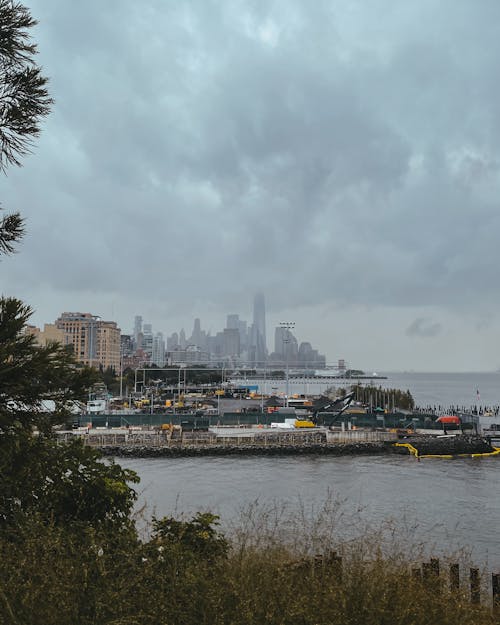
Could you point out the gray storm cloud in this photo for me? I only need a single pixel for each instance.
(320, 153)
(423, 328)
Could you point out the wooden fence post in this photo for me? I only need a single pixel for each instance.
(430, 572)
(335, 565)
(435, 566)
(495, 587)
(475, 589)
(454, 576)
(318, 562)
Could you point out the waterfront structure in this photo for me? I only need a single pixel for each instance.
(95, 342)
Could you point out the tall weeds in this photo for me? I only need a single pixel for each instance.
(270, 573)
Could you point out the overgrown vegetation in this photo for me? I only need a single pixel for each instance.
(187, 572)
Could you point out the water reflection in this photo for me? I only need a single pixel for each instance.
(446, 504)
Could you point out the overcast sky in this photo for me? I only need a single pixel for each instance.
(342, 157)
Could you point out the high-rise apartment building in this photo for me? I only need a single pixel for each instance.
(158, 352)
(95, 342)
(49, 334)
(147, 339)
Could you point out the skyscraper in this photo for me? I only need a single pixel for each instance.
(232, 322)
(231, 342)
(147, 339)
(199, 337)
(137, 329)
(158, 355)
(258, 333)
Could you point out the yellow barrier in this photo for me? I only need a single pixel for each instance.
(414, 451)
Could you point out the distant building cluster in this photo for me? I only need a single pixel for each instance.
(95, 342)
(100, 344)
(239, 343)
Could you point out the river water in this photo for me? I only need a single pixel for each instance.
(445, 389)
(433, 505)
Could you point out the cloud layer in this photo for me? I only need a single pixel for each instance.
(333, 156)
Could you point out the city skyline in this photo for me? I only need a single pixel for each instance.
(237, 342)
(102, 343)
(341, 158)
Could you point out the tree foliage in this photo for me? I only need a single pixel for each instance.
(24, 101)
(378, 397)
(199, 536)
(38, 390)
(11, 230)
(24, 98)
(32, 375)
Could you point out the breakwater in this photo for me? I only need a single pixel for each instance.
(420, 447)
(179, 451)
(446, 447)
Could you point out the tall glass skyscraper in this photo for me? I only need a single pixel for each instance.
(258, 338)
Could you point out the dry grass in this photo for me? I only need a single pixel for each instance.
(52, 576)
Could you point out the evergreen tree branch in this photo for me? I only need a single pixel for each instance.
(11, 231)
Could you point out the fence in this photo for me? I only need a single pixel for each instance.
(475, 585)
(360, 436)
(430, 572)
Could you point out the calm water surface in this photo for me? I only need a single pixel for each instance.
(444, 389)
(445, 504)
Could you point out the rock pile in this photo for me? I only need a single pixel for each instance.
(178, 451)
(452, 446)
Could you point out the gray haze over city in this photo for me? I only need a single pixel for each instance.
(342, 158)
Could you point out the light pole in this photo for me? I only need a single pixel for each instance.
(287, 327)
(263, 392)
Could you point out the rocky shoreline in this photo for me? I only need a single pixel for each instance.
(177, 451)
(424, 446)
(454, 446)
